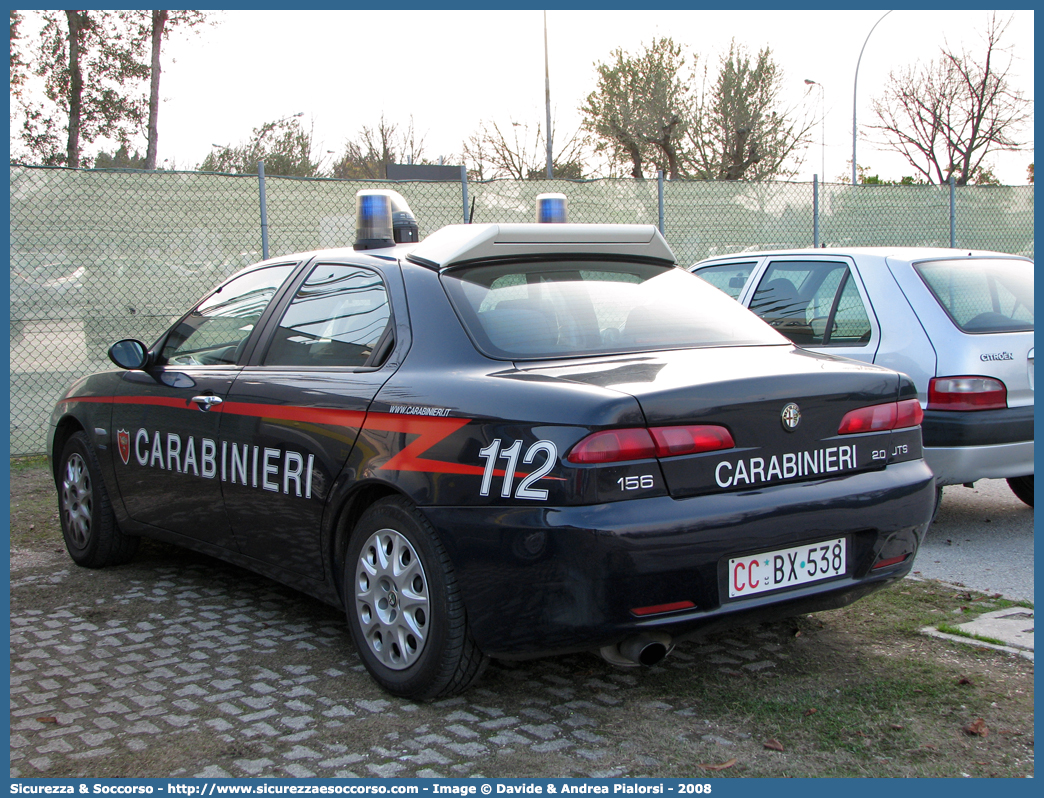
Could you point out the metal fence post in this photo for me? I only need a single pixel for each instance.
(264, 209)
(464, 191)
(953, 213)
(815, 211)
(659, 184)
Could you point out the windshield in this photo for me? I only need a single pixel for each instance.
(568, 308)
(983, 296)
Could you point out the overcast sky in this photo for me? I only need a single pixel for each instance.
(451, 70)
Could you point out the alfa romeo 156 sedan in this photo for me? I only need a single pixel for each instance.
(504, 441)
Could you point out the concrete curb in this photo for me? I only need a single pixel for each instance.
(1013, 626)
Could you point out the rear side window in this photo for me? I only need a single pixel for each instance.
(727, 277)
(983, 296)
(336, 319)
(570, 308)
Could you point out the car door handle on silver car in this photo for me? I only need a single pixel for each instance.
(206, 402)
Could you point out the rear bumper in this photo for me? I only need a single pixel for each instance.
(958, 464)
(546, 580)
(963, 446)
(945, 428)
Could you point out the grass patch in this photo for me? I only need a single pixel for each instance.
(19, 464)
(34, 504)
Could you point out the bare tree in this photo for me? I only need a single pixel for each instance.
(367, 156)
(945, 117)
(522, 155)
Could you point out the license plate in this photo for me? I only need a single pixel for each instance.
(772, 570)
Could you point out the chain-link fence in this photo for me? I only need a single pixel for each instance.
(100, 255)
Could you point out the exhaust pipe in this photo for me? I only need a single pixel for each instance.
(647, 649)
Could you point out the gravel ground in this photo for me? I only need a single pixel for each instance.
(982, 538)
(179, 665)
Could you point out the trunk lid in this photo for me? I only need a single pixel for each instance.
(746, 390)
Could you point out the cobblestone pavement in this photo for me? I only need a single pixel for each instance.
(179, 665)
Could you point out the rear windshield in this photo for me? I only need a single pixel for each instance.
(552, 309)
(983, 296)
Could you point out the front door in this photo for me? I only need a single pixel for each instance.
(166, 418)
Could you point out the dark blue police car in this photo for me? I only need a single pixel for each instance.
(502, 441)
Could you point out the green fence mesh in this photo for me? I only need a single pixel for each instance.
(100, 255)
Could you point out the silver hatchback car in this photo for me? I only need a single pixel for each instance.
(959, 323)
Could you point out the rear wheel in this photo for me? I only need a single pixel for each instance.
(88, 525)
(1022, 487)
(938, 501)
(404, 607)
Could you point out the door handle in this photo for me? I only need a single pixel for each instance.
(206, 402)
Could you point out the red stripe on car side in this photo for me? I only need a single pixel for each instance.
(429, 430)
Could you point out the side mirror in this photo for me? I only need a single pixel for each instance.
(129, 354)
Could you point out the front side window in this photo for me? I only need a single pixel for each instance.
(214, 332)
(727, 277)
(983, 296)
(813, 303)
(337, 318)
(577, 307)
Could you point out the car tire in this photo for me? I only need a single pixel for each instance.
(405, 610)
(938, 501)
(1022, 487)
(92, 537)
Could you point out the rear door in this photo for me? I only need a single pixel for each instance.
(293, 415)
(819, 303)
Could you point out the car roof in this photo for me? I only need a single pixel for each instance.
(464, 243)
(908, 254)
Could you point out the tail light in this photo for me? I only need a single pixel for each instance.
(639, 443)
(966, 393)
(892, 415)
(673, 441)
(614, 446)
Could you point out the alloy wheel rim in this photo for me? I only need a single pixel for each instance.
(391, 599)
(77, 500)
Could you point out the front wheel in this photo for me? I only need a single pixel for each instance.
(1022, 487)
(92, 537)
(404, 606)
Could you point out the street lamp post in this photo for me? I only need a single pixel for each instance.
(822, 124)
(547, 94)
(855, 82)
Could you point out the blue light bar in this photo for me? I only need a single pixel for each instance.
(383, 219)
(551, 208)
(373, 220)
